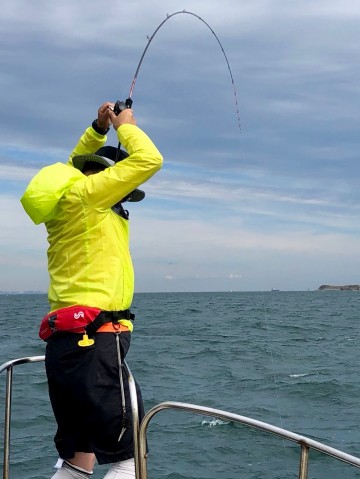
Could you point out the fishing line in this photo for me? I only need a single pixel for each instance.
(272, 363)
(120, 105)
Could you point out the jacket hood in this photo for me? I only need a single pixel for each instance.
(45, 190)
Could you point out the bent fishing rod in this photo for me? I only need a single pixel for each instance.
(122, 105)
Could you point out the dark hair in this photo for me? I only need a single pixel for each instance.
(93, 165)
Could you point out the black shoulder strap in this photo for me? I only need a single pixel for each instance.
(119, 210)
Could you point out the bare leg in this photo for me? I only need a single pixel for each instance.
(85, 460)
(79, 467)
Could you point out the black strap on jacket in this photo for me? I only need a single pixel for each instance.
(119, 210)
(106, 317)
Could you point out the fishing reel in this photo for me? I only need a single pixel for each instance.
(122, 105)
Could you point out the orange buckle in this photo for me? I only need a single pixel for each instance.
(112, 328)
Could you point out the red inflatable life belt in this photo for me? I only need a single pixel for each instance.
(72, 318)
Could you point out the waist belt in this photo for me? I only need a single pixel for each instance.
(106, 317)
(113, 328)
(81, 319)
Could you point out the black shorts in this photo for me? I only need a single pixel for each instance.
(85, 394)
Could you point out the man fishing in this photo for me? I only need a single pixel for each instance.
(91, 289)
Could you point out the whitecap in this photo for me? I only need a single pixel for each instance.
(214, 422)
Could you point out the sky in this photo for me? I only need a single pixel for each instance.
(272, 203)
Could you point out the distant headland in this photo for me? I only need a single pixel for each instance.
(347, 287)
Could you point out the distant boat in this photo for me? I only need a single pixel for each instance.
(274, 289)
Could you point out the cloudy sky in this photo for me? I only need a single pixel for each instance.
(273, 204)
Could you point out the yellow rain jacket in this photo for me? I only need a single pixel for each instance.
(89, 260)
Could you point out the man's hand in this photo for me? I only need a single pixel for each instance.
(103, 120)
(126, 116)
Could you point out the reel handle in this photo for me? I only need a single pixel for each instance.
(122, 105)
(118, 108)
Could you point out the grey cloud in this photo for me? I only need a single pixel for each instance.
(295, 162)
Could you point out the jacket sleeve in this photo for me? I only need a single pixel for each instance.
(89, 142)
(106, 188)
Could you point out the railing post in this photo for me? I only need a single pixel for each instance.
(304, 461)
(142, 447)
(135, 418)
(9, 377)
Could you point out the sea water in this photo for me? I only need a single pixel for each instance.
(287, 358)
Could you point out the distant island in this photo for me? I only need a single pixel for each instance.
(22, 292)
(347, 287)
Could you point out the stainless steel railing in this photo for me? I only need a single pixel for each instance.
(9, 367)
(305, 443)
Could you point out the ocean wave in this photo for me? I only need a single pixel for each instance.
(214, 422)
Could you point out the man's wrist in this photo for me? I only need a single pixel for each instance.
(98, 129)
